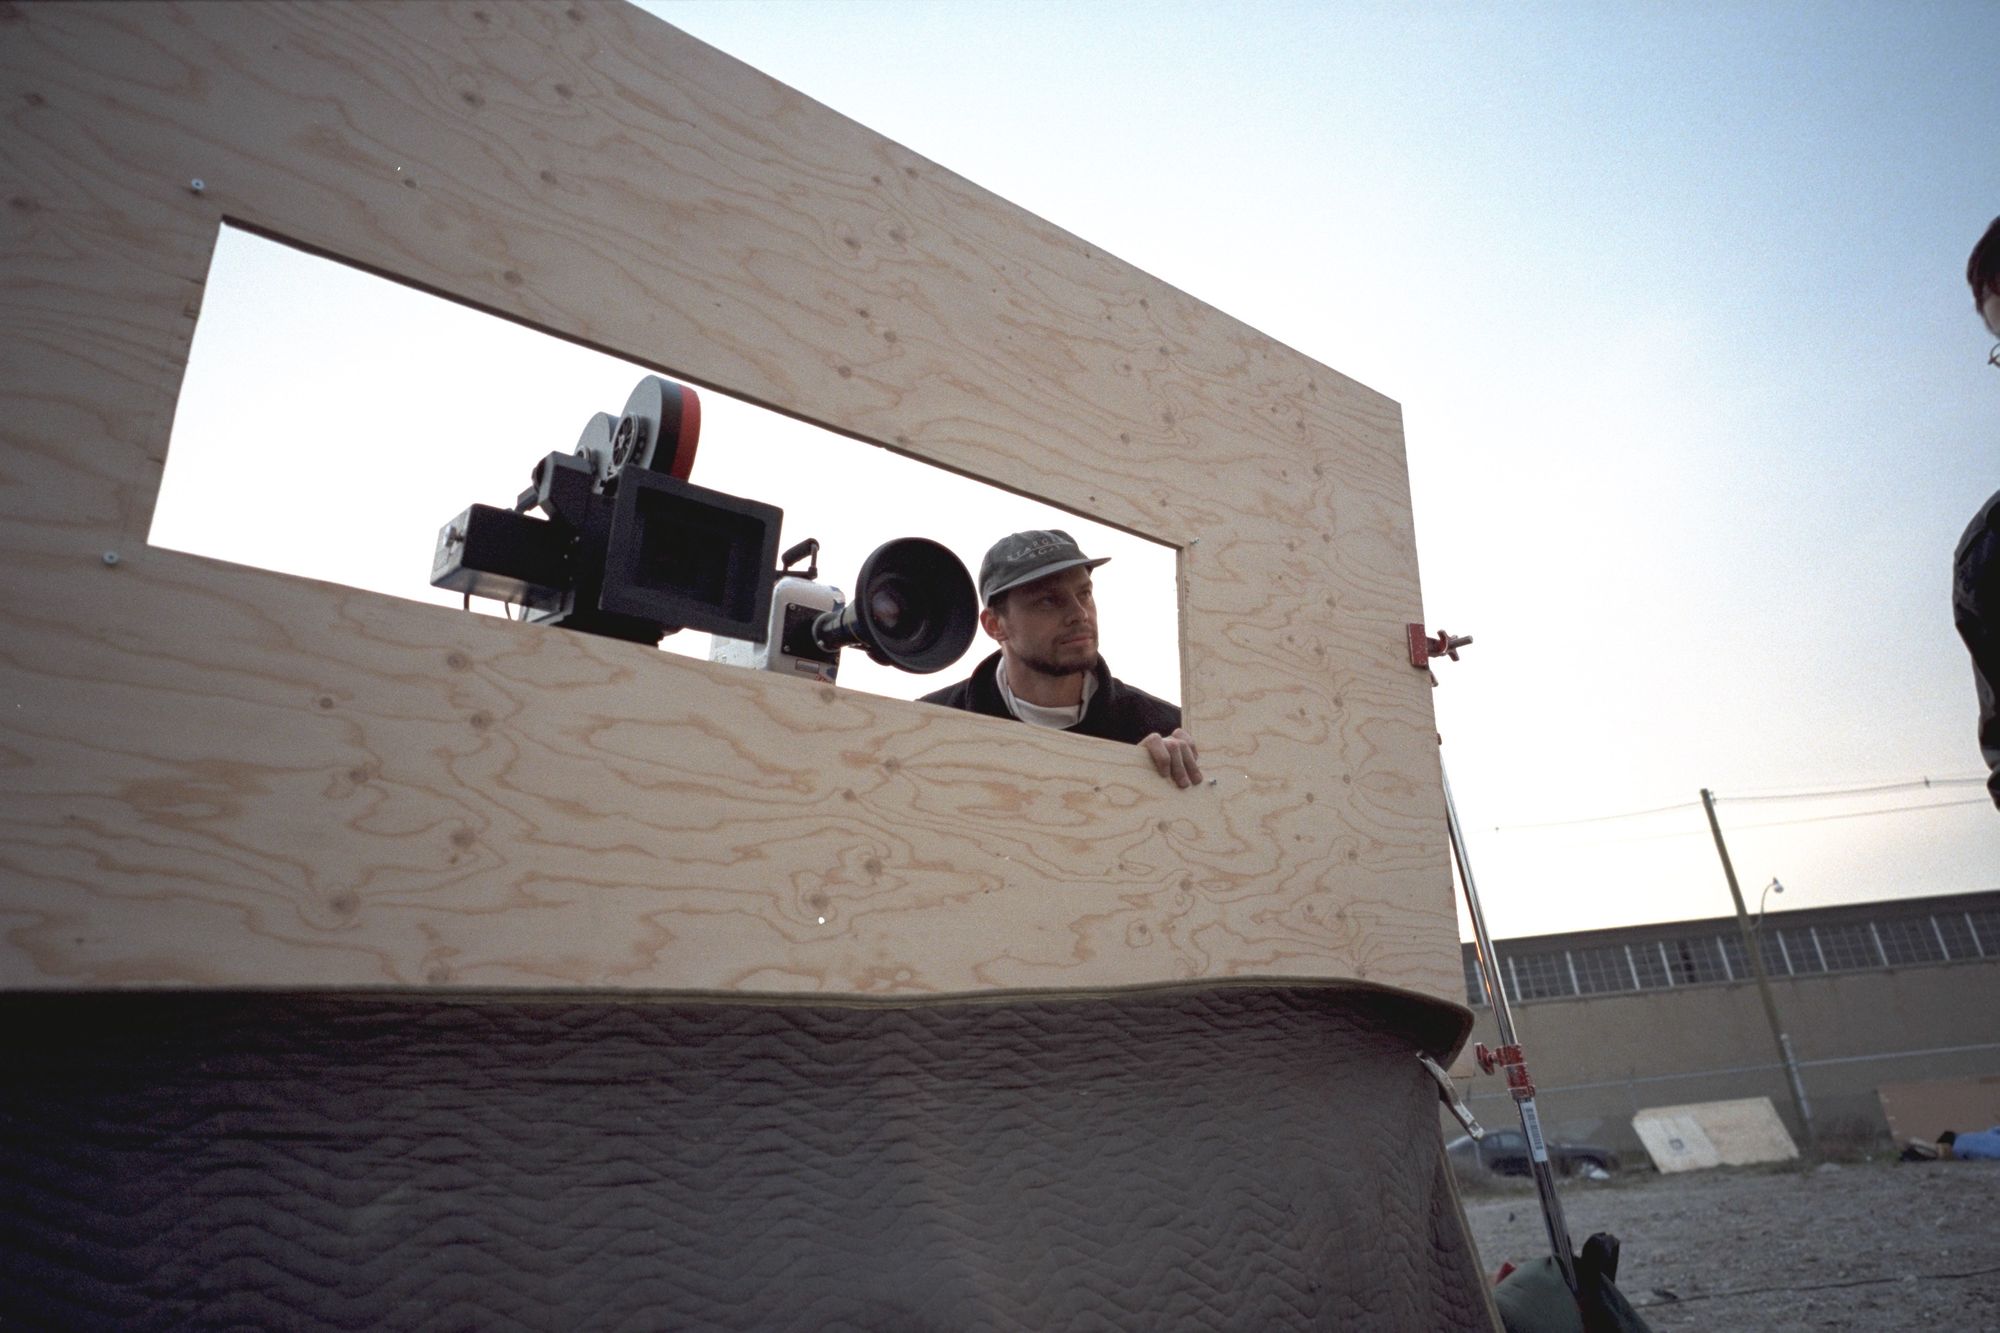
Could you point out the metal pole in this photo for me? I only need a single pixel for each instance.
(1798, 1084)
(1489, 964)
(1784, 1043)
(1523, 1090)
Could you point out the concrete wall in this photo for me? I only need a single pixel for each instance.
(1597, 1060)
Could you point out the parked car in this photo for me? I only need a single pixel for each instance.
(1505, 1152)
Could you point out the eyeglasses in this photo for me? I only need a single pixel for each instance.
(1993, 357)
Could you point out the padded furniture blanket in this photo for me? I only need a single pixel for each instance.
(1215, 1156)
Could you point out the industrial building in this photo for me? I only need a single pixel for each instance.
(1613, 1021)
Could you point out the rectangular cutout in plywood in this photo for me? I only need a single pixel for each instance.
(331, 420)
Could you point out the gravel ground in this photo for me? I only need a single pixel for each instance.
(1873, 1245)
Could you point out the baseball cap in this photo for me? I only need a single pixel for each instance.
(1023, 557)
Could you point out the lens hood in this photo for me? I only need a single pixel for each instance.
(913, 608)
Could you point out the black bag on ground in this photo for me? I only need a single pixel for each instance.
(1535, 1299)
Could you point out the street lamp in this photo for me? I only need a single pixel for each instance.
(1754, 952)
(1769, 889)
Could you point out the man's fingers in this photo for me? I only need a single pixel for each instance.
(1173, 757)
(1193, 763)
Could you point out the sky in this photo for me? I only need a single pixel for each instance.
(1695, 400)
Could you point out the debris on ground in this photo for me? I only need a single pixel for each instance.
(1880, 1247)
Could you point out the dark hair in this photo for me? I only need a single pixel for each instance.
(1950, 1136)
(1982, 270)
(997, 603)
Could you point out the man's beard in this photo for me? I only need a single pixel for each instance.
(1048, 666)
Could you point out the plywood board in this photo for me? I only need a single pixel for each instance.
(220, 776)
(1706, 1134)
(1926, 1109)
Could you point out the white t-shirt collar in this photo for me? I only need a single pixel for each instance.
(1059, 719)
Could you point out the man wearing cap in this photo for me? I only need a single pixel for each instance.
(1047, 672)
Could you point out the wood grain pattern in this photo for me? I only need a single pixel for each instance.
(221, 776)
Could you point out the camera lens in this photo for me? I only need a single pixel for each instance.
(886, 606)
(914, 607)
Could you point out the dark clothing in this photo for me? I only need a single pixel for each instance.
(1975, 605)
(1117, 712)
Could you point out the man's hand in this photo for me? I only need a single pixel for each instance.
(1174, 756)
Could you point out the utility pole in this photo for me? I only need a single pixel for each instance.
(1756, 956)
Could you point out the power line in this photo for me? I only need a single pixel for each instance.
(1767, 823)
(1862, 814)
(1924, 783)
(1857, 791)
(1597, 819)
(1699, 831)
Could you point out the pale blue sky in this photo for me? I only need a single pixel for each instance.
(1672, 297)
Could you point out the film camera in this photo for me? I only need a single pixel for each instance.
(625, 546)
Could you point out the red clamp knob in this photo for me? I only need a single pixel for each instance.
(1423, 648)
(1504, 1057)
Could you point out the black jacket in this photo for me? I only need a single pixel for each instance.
(1975, 600)
(1117, 712)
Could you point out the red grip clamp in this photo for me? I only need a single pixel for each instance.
(1424, 648)
(1510, 1059)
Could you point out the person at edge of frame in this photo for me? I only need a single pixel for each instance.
(1978, 1146)
(1975, 584)
(1039, 607)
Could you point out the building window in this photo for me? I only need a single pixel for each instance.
(1910, 940)
(1767, 945)
(1540, 976)
(1900, 937)
(1846, 947)
(1777, 957)
(1475, 989)
(1739, 962)
(1986, 931)
(1800, 951)
(1647, 965)
(1601, 971)
(1774, 947)
(1695, 960)
(1954, 935)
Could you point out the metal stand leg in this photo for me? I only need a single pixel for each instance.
(1509, 1055)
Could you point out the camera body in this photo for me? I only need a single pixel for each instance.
(789, 644)
(625, 546)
